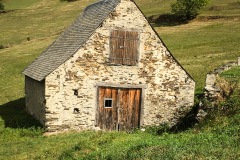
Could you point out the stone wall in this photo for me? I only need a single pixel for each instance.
(35, 98)
(212, 89)
(168, 91)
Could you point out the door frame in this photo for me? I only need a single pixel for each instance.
(123, 86)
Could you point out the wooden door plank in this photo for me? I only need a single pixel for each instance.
(122, 110)
(107, 117)
(100, 111)
(114, 109)
(128, 110)
(131, 109)
(120, 116)
(137, 108)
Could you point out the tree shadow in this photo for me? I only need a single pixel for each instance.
(14, 115)
(5, 11)
(164, 20)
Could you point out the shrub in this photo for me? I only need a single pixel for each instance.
(230, 106)
(188, 9)
(1, 6)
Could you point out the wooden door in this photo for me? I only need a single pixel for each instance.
(129, 109)
(118, 109)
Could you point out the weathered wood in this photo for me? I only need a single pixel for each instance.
(125, 111)
(122, 109)
(124, 47)
(127, 86)
(107, 117)
(131, 45)
(114, 109)
(137, 103)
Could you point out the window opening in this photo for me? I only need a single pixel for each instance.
(124, 47)
(108, 102)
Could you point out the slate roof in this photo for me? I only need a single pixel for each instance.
(71, 40)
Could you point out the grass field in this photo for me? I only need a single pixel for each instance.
(218, 140)
(14, 4)
(200, 46)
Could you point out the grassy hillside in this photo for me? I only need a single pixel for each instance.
(199, 46)
(34, 22)
(203, 44)
(14, 4)
(219, 140)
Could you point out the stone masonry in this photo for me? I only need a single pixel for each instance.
(212, 90)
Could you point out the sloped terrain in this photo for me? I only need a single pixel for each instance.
(212, 39)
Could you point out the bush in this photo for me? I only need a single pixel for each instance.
(188, 9)
(230, 106)
(1, 6)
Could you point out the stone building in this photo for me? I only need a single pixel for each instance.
(109, 70)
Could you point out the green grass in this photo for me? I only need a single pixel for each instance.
(155, 7)
(33, 22)
(210, 142)
(233, 73)
(216, 138)
(222, 8)
(18, 4)
(202, 48)
(199, 46)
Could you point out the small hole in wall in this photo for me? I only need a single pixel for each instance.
(75, 92)
(158, 116)
(58, 76)
(76, 110)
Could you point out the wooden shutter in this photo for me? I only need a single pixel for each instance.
(124, 47)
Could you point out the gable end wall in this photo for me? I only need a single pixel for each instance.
(169, 90)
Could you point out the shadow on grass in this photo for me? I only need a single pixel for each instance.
(166, 20)
(190, 119)
(187, 122)
(14, 115)
(5, 11)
